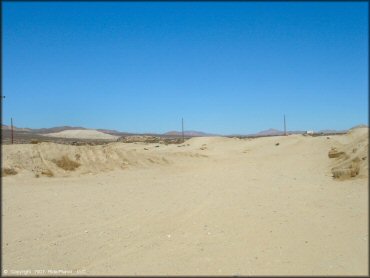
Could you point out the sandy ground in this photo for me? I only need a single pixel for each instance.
(82, 134)
(214, 206)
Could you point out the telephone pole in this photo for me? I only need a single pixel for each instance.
(182, 129)
(11, 119)
(11, 123)
(284, 126)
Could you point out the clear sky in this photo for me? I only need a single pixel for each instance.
(226, 68)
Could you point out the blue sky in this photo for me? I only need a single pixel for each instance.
(226, 68)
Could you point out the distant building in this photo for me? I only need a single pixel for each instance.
(309, 132)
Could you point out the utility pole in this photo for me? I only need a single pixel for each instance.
(182, 129)
(284, 126)
(11, 123)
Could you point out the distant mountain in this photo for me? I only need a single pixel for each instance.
(275, 132)
(325, 131)
(8, 127)
(296, 132)
(270, 131)
(188, 133)
(191, 133)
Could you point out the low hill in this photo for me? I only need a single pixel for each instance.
(82, 134)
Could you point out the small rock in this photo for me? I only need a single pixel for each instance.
(277, 144)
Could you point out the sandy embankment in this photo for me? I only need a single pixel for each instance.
(213, 206)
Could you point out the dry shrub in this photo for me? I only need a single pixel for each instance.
(333, 153)
(8, 172)
(347, 171)
(47, 173)
(66, 164)
(35, 142)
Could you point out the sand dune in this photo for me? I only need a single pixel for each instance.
(210, 206)
(82, 134)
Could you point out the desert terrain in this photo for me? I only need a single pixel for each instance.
(279, 205)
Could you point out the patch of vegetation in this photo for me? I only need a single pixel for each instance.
(47, 173)
(34, 141)
(8, 172)
(66, 164)
(348, 170)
